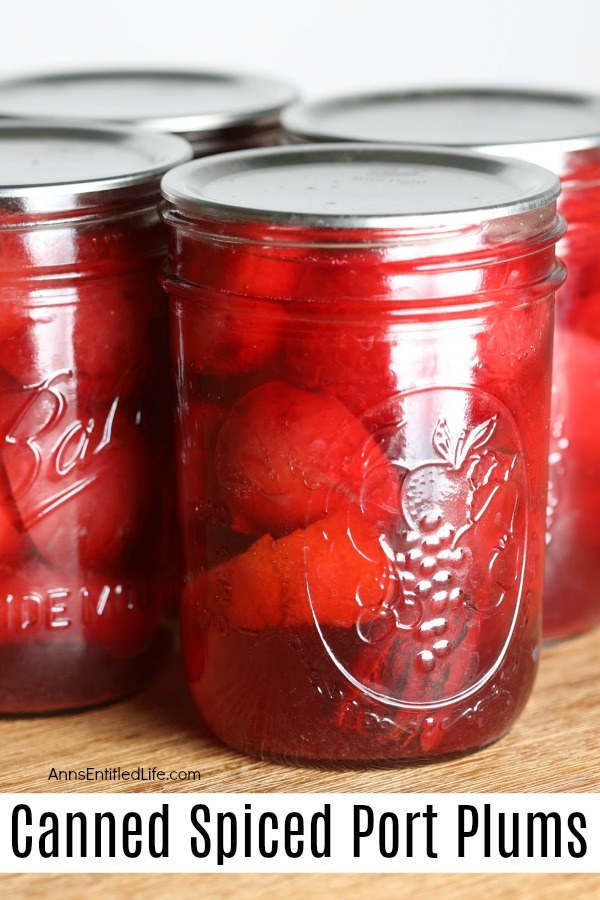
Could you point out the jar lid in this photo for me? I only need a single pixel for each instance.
(47, 167)
(181, 102)
(537, 126)
(358, 186)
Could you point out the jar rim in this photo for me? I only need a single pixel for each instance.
(179, 101)
(547, 128)
(359, 186)
(49, 166)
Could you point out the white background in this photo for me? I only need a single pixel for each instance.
(325, 46)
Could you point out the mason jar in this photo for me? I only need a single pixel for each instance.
(85, 408)
(214, 111)
(562, 132)
(363, 342)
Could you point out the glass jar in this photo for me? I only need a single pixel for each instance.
(561, 132)
(363, 337)
(85, 450)
(572, 592)
(214, 111)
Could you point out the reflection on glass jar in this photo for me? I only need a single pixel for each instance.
(364, 383)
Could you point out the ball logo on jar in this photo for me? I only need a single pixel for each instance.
(44, 442)
(76, 473)
(450, 567)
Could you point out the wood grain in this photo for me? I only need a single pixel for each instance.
(552, 748)
(299, 887)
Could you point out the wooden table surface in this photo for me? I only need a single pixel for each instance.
(300, 887)
(554, 747)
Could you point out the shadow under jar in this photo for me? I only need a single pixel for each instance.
(85, 450)
(562, 132)
(363, 341)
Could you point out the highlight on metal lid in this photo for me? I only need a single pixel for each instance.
(50, 166)
(358, 186)
(536, 125)
(177, 101)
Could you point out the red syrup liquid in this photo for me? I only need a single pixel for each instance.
(84, 463)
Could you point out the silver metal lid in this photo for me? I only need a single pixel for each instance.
(358, 186)
(181, 102)
(537, 126)
(50, 167)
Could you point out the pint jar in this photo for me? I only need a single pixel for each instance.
(85, 448)
(561, 132)
(363, 342)
(214, 111)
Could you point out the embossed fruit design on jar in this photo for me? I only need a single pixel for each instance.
(85, 445)
(561, 132)
(362, 445)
